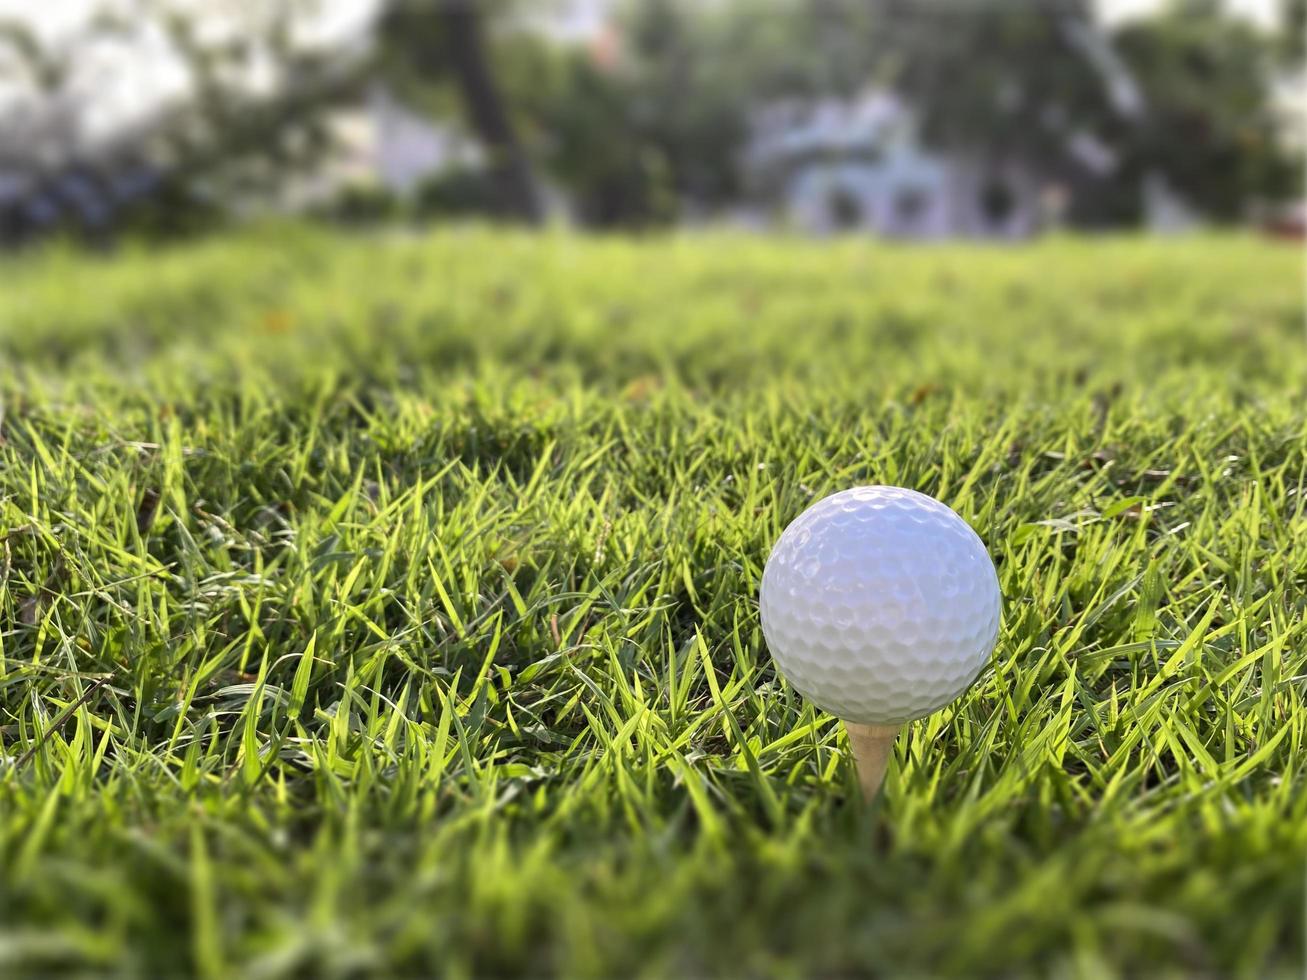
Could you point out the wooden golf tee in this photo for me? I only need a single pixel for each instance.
(872, 746)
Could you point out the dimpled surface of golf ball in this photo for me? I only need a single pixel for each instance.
(879, 604)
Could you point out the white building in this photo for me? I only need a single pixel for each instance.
(833, 165)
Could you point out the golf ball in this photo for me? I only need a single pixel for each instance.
(879, 604)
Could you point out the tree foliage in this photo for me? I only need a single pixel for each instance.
(645, 120)
(429, 45)
(250, 112)
(1211, 127)
(997, 79)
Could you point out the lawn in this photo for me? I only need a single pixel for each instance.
(387, 604)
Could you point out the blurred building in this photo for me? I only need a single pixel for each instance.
(843, 165)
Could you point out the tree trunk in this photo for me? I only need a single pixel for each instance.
(486, 112)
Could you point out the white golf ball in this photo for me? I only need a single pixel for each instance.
(880, 605)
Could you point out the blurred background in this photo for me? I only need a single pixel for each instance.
(992, 120)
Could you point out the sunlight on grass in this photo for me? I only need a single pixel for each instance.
(390, 604)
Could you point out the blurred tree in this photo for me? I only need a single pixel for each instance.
(427, 45)
(1032, 84)
(1185, 94)
(590, 142)
(650, 119)
(638, 121)
(1293, 33)
(250, 112)
(1212, 128)
(647, 119)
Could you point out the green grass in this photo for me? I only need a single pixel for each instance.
(388, 605)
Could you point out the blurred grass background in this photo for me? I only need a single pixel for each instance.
(387, 605)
